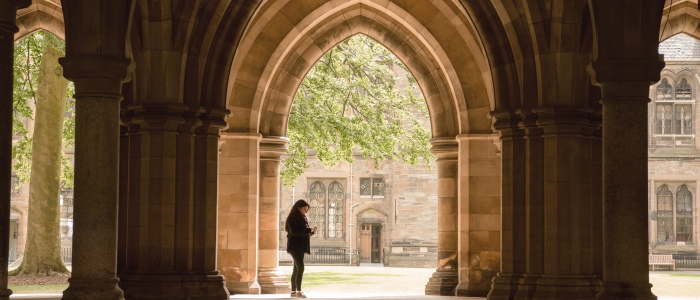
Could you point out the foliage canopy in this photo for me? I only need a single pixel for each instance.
(356, 98)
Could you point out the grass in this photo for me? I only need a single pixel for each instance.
(312, 279)
(685, 275)
(39, 289)
(323, 278)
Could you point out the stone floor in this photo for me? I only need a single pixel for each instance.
(409, 284)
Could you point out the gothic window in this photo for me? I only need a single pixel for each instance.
(336, 203)
(663, 90)
(372, 187)
(664, 208)
(317, 210)
(684, 214)
(327, 211)
(673, 115)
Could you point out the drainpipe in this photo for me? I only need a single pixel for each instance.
(351, 214)
(352, 253)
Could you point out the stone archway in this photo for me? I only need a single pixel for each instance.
(275, 53)
(41, 14)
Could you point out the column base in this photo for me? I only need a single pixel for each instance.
(206, 286)
(93, 288)
(473, 289)
(243, 287)
(443, 283)
(625, 291)
(477, 283)
(5, 293)
(273, 281)
(527, 286)
(567, 287)
(504, 286)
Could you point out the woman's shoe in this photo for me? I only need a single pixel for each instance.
(300, 295)
(293, 294)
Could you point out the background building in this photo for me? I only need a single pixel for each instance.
(387, 211)
(674, 150)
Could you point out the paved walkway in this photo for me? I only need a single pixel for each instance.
(376, 282)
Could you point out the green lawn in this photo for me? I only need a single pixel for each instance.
(685, 275)
(39, 289)
(322, 278)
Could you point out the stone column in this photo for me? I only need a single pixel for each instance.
(444, 280)
(98, 81)
(270, 277)
(479, 213)
(513, 190)
(534, 205)
(171, 203)
(625, 213)
(205, 209)
(8, 11)
(238, 211)
(624, 72)
(565, 262)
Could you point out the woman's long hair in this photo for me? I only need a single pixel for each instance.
(295, 212)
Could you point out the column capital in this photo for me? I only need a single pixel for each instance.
(273, 147)
(567, 120)
(98, 75)
(444, 148)
(631, 71)
(8, 14)
(213, 121)
(228, 135)
(507, 122)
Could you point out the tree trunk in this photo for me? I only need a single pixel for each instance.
(42, 254)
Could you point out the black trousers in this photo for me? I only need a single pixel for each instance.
(298, 271)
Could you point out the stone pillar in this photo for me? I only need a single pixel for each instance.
(479, 213)
(534, 205)
(513, 191)
(444, 281)
(270, 277)
(624, 72)
(98, 81)
(8, 11)
(205, 209)
(564, 258)
(625, 213)
(237, 256)
(170, 210)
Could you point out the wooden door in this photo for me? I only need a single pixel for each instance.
(365, 243)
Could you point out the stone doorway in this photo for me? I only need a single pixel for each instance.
(371, 243)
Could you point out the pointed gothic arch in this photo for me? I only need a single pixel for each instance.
(451, 79)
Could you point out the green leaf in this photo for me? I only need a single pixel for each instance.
(351, 102)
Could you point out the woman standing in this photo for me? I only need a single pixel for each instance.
(298, 242)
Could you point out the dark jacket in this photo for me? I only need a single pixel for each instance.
(298, 234)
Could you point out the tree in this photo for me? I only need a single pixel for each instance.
(350, 100)
(28, 57)
(43, 247)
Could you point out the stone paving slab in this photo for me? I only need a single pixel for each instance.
(409, 283)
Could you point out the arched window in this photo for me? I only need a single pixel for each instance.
(327, 210)
(336, 204)
(673, 115)
(684, 90)
(684, 214)
(663, 90)
(317, 210)
(664, 211)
